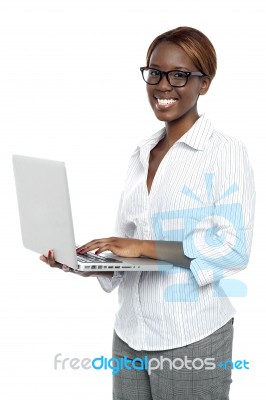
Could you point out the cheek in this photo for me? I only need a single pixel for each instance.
(188, 96)
(149, 91)
(151, 98)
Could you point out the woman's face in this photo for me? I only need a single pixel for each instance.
(168, 56)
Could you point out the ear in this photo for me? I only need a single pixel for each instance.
(205, 84)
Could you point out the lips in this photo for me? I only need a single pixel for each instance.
(164, 103)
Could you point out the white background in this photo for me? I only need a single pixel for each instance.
(71, 90)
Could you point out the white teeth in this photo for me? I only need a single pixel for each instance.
(166, 101)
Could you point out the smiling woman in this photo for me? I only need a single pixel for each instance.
(180, 110)
(188, 199)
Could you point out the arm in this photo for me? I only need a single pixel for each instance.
(125, 247)
(158, 249)
(171, 252)
(219, 241)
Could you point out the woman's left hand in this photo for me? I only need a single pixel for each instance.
(119, 246)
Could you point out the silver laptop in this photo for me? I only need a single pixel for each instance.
(46, 219)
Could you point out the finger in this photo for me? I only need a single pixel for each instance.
(50, 257)
(93, 242)
(88, 245)
(65, 268)
(106, 247)
(92, 245)
(51, 260)
(44, 259)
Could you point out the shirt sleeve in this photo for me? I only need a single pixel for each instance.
(108, 284)
(218, 237)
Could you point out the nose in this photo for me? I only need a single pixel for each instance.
(164, 85)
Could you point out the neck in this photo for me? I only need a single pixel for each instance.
(176, 129)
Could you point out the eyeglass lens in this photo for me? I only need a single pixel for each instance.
(176, 78)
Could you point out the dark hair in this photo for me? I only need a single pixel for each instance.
(195, 44)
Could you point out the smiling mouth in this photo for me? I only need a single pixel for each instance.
(165, 102)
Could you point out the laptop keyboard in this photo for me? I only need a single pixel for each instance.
(93, 258)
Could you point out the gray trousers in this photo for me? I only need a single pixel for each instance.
(172, 381)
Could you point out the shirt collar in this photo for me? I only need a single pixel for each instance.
(196, 137)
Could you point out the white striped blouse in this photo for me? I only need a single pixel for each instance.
(203, 195)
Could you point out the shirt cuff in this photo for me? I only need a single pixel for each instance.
(108, 283)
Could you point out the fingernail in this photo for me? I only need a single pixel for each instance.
(49, 253)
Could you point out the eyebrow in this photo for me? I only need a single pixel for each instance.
(158, 67)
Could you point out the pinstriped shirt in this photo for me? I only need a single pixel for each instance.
(203, 195)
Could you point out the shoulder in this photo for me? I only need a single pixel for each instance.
(224, 148)
(227, 140)
(227, 143)
(231, 156)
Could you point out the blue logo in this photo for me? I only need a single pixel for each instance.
(212, 235)
(145, 363)
(229, 364)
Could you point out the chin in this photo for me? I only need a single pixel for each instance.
(165, 118)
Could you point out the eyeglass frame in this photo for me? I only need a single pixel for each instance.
(166, 73)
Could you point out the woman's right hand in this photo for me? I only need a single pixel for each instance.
(50, 260)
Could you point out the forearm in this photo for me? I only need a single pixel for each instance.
(167, 251)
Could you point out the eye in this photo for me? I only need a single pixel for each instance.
(153, 72)
(179, 75)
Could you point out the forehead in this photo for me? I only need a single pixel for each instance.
(167, 56)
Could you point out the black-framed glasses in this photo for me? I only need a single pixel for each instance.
(176, 78)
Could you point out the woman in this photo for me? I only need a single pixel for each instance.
(188, 199)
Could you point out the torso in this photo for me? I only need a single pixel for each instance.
(156, 156)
